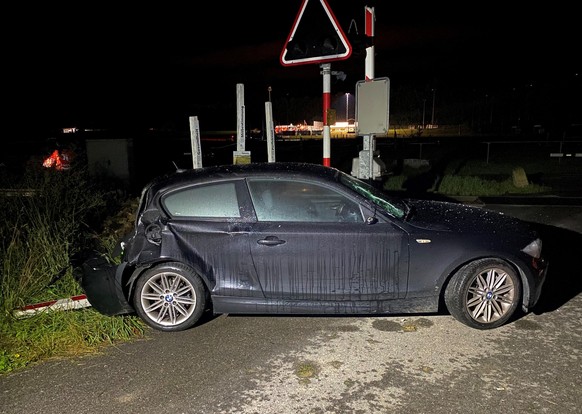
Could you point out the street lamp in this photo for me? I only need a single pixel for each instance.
(433, 101)
(347, 106)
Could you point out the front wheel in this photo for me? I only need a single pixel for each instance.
(169, 297)
(483, 294)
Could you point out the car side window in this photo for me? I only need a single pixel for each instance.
(286, 200)
(212, 201)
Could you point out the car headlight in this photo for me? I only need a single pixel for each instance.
(534, 249)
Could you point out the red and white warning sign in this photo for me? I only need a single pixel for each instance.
(316, 36)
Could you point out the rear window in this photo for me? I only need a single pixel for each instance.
(213, 201)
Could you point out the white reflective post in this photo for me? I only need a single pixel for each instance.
(240, 156)
(195, 142)
(270, 132)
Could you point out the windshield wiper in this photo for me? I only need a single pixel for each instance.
(408, 212)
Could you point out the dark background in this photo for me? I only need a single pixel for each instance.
(101, 65)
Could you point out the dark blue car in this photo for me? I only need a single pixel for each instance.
(295, 238)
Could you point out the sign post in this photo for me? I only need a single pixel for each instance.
(316, 37)
(372, 109)
(369, 141)
(326, 72)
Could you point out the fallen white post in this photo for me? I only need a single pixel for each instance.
(74, 302)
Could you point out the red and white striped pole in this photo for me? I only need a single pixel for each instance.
(326, 72)
(369, 18)
(368, 141)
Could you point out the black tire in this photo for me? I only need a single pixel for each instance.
(170, 297)
(484, 294)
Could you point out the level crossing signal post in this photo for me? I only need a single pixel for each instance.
(317, 38)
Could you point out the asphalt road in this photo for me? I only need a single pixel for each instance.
(402, 363)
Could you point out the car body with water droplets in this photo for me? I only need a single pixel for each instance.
(295, 238)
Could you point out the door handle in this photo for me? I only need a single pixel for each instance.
(271, 241)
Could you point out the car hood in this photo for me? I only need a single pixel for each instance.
(462, 218)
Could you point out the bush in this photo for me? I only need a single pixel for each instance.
(476, 186)
(42, 232)
(457, 180)
(395, 182)
(40, 237)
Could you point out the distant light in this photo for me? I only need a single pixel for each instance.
(60, 161)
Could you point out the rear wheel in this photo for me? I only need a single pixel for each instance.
(484, 294)
(170, 297)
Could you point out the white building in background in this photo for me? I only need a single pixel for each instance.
(338, 130)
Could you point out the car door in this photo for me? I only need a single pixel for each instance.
(312, 242)
(208, 228)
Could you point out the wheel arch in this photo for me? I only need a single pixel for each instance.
(446, 279)
(169, 295)
(137, 270)
(525, 285)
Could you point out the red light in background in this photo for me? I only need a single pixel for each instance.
(58, 160)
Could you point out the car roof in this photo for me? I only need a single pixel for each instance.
(258, 169)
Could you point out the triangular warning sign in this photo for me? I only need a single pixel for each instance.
(316, 36)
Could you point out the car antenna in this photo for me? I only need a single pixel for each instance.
(178, 169)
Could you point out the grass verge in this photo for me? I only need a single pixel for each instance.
(58, 334)
(467, 179)
(40, 237)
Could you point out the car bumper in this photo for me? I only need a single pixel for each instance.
(540, 271)
(102, 283)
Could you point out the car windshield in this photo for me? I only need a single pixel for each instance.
(395, 207)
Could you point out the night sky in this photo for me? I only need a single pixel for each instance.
(102, 66)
